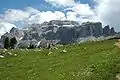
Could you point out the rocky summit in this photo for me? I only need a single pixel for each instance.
(58, 31)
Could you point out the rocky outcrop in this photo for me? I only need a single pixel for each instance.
(61, 31)
(64, 34)
(26, 43)
(14, 32)
(62, 23)
(112, 31)
(92, 29)
(1, 44)
(108, 32)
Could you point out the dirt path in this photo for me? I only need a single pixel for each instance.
(118, 43)
(118, 76)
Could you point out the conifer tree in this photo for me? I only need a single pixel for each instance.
(6, 43)
(13, 42)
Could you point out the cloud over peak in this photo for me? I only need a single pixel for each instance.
(5, 27)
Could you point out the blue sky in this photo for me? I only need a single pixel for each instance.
(39, 4)
(22, 13)
(19, 4)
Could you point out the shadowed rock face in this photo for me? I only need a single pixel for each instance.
(91, 29)
(112, 31)
(106, 31)
(1, 44)
(62, 31)
(64, 34)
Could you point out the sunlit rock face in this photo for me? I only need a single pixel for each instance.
(26, 43)
(62, 31)
(17, 33)
(14, 32)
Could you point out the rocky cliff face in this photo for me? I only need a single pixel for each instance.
(62, 31)
(14, 32)
(108, 32)
(91, 29)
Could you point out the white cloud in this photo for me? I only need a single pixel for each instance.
(29, 15)
(46, 16)
(108, 12)
(82, 9)
(5, 27)
(14, 15)
(61, 2)
(71, 16)
(80, 19)
(74, 9)
(17, 17)
(31, 10)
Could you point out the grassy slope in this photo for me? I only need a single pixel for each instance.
(88, 61)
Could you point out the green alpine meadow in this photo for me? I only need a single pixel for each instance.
(87, 61)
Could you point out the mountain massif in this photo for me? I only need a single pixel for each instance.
(57, 31)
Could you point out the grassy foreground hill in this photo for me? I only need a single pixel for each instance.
(87, 61)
